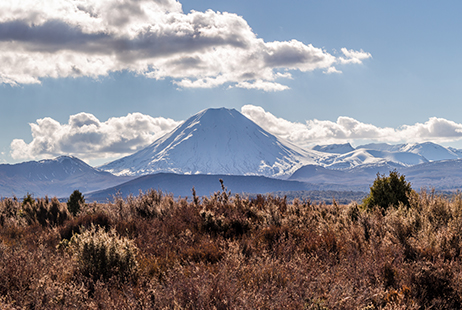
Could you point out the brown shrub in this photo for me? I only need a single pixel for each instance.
(228, 252)
(207, 252)
(433, 287)
(75, 225)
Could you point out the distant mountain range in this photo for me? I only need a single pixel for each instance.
(222, 143)
(54, 177)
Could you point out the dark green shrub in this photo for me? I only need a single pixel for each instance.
(28, 199)
(56, 214)
(388, 191)
(44, 212)
(75, 202)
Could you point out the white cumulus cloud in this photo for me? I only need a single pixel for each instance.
(331, 70)
(347, 129)
(154, 38)
(87, 137)
(355, 57)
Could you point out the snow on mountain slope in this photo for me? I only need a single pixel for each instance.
(402, 158)
(216, 141)
(364, 156)
(458, 152)
(382, 147)
(334, 148)
(429, 150)
(349, 160)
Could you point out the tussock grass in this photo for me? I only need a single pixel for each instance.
(229, 252)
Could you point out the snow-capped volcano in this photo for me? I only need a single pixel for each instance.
(216, 141)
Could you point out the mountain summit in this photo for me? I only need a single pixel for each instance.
(216, 141)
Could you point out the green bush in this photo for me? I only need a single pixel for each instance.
(44, 211)
(101, 255)
(75, 202)
(388, 191)
(28, 199)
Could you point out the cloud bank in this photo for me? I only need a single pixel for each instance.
(153, 38)
(347, 129)
(89, 138)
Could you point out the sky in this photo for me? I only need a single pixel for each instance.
(102, 79)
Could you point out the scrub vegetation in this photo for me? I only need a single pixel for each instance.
(227, 252)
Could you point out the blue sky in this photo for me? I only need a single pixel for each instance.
(401, 69)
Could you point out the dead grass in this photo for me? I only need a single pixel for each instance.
(226, 252)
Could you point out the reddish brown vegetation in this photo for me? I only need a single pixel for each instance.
(224, 252)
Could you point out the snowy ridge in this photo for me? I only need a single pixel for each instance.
(334, 148)
(360, 157)
(429, 150)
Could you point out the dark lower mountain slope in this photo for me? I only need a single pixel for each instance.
(53, 177)
(181, 185)
(358, 178)
(441, 175)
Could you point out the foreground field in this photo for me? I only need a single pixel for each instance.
(225, 252)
